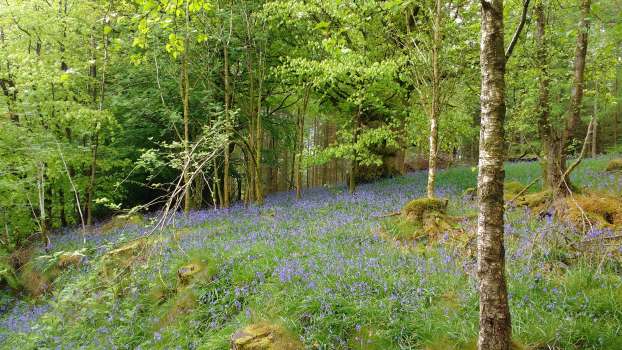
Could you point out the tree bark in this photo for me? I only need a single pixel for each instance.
(594, 140)
(494, 320)
(354, 163)
(226, 178)
(300, 135)
(576, 97)
(553, 166)
(185, 91)
(435, 107)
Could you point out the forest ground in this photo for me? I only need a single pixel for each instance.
(328, 271)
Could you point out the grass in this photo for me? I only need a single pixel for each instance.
(318, 269)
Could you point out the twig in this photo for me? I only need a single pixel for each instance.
(525, 189)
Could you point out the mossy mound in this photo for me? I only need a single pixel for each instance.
(536, 201)
(602, 210)
(121, 259)
(264, 337)
(423, 219)
(121, 221)
(417, 208)
(511, 189)
(614, 165)
(581, 209)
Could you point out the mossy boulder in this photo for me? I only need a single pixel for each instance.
(264, 337)
(416, 209)
(615, 165)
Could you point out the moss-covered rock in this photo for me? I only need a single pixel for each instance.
(264, 337)
(614, 165)
(417, 208)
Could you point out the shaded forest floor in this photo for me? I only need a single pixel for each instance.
(328, 272)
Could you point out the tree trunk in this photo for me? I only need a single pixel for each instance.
(553, 165)
(300, 137)
(354, 164)
(226, 178)
(185, 91)
(435, 107)
(576, 97)
(494, 321)
(594, 140)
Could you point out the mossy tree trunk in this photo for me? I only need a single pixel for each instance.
(576, 97)
(553, 165)
(494, 320)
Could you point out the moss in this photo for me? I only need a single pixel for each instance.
(511, 189)
(470, 193)
(417, 208)
(602, 210)
(535, 200)
(121, 221)
(181, 305)
(264, 337)
(122, 258)
(614, 165)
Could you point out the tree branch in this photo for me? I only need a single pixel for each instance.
(519, 29)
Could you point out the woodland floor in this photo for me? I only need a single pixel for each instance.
(330, 272)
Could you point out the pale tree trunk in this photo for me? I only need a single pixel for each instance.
(259, 141)
(594, 143)
(552, 165)
(494, 320)
(435, 107)
(43, 221)
(617, 113)
(226, 177)
(354, 164)
(300, 136)
(185, 91)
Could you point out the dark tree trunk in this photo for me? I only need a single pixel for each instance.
(494, 321)
(576, 97)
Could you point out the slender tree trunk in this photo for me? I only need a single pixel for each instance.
(185, 91)
(616, 120)
(92, 178)
(259, 142)
(354, 163)
(300, 135)
(494, 321)
(43, 221)
(62, 215)
(594, 140)
(576, 97)
(435, 107)
(552, 162)
(226, 177)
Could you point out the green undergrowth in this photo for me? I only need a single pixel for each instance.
(321, 271)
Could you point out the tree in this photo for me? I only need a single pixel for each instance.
(494, 321)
